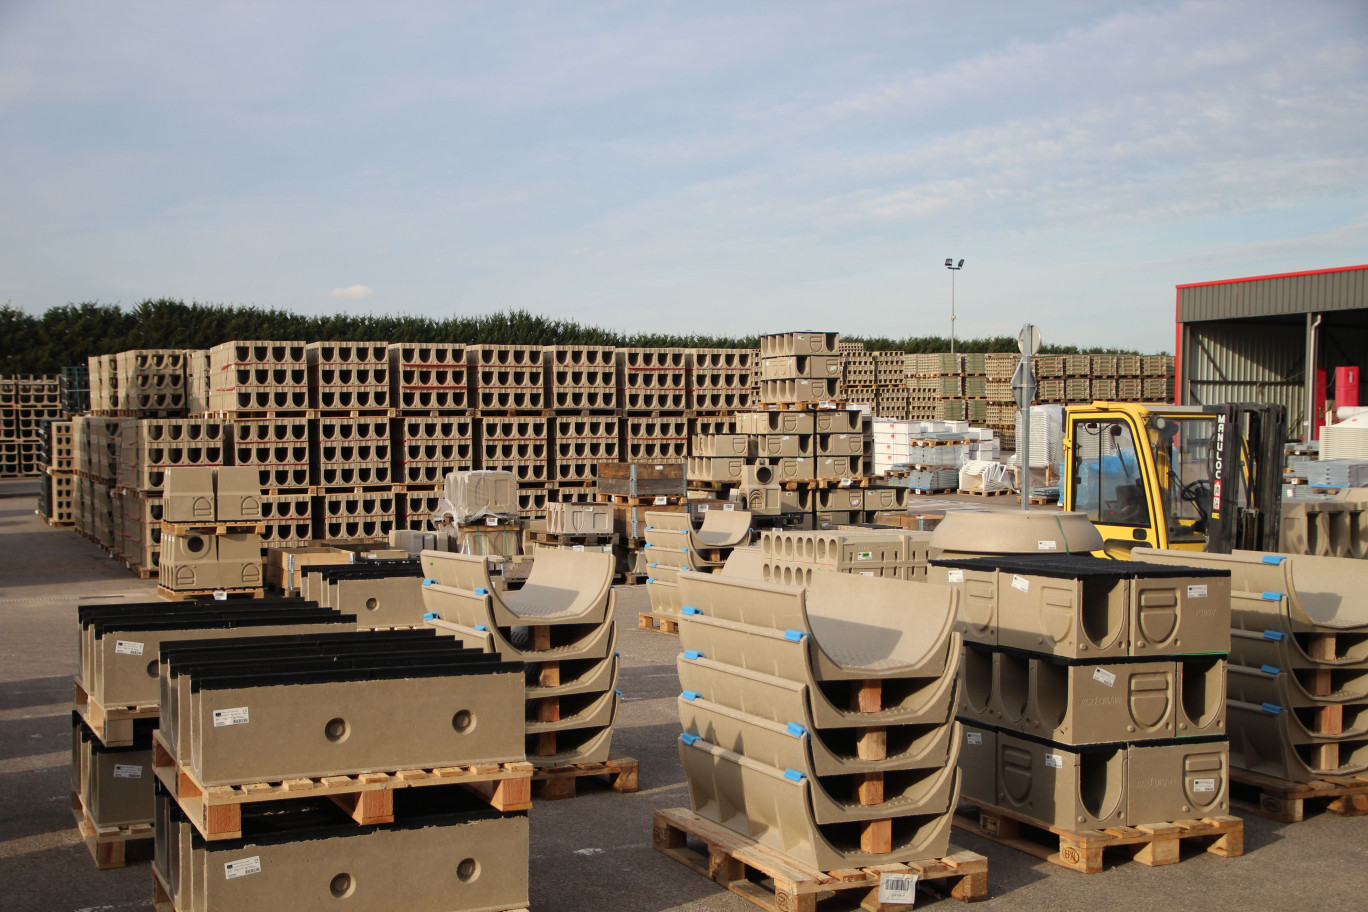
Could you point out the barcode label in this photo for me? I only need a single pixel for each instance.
(128, 648)
(133, 771)
(1045, 545)
(1021, 583)
(726, 507)
(236, 716)
(1196, 592)
(1054, 761)
(845, 482)
(1102, 676)
(955, 576)
(220, 595)
(491, 520)
(242, 867)
(577, 547)
(897, 889)
(661, 500)
(973, 737)
(1203, 786)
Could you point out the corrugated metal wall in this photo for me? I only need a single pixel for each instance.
(1246, 362)
(1299, 294)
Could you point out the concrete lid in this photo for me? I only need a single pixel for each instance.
(1023, 532)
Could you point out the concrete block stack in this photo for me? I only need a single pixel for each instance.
(721, 380)
(792, 558)
(247, 377)
(211, 533)
(800, 369)
(26, 402)
(429, 379)
(348, 375)
(560, 625)
(360, 714)
(673, 546)
(479, 510)
(1298, 681)
(827, 739)
(56, 496)
(927, 455)
(796, 445)
(654, 381)
(656, 439)
(151, 382)
(103, 375)
(95, 448)
(1093, 690)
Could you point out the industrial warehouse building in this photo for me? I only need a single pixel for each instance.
(1252, 340)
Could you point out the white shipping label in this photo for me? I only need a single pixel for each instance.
(220, 595)
(1021, 583)
(128, 648)
(866, 573)
(973, 737)
(577, 547)
(1102, 676)
(1203, 786)
(955, 576)
(127, 771)
(1196, 592)
(661, 500)
(845, 482)
(491, 520)
(897, 889)
(1044, 545)
(727, 507)
(242, 867)
(1054, 761)
(235, 716)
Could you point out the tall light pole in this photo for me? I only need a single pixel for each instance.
(954, 267)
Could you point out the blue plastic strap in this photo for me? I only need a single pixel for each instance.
(1272, 596)
(649, 528)
(685, 550)
(794, 775)
(430, 616)
(690, 695)
(1272, 708)
(649, 545)
(796, 730)
(482, 627)
(688, 738)
(619, 694)
(653, 566)
(429, 582)
(617, 655)
(689, 609)
(481, 590)
(1274, 635)
(1274, 558)
(1270, 669)
(693, 654)
(794, 636)
(650, 579)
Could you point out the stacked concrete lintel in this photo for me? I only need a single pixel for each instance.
(1298, 680)
(560, 624)
(822, 733)
(1093, 690)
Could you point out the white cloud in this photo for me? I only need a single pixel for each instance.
(352, 292)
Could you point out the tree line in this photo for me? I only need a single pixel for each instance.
(67, 335)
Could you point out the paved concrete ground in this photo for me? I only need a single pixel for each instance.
(590, 853)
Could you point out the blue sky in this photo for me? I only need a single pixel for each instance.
(729, 167)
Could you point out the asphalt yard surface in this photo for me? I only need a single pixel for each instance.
(592, 852)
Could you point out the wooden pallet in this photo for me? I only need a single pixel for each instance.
(1081, 850)
(642, 500)
(108, 845)
(930, 492)
(113, 725)
(808, 405)
(539, 537)
(216, 811)
(777, 883)
(144, 573)
(660, 623)
(203, 595)
(1001, 493)
(214, 528)
(1286, 801)
(552, 783)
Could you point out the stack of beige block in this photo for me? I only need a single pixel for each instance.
(353, 715)
(478, 513)
(793, 558)
(560, 624)
(26, 404)
(823, 733)
(722, 379)
(348, 375)
(253, 376)
(1093, 690)
(654, 379)
(152, 381)
(806, 445)
(1298, 685)
(674, 547)
(211, 533)
(799, 367)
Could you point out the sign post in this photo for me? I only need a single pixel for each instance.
(1024, 392)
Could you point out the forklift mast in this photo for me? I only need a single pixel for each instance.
(1246, 477)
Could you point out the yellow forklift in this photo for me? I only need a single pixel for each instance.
(1194, 478)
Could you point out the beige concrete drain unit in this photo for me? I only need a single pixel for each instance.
(1298, 680)
(1093, 691)
(560, 624)
(821, 731)
(673, 544)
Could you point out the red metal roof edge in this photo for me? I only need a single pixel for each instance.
(1280, 275)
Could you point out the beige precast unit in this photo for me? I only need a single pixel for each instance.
(1254, 643)
(977, 761)
(1177, 781)
(746, 562)
(911, 790)
(579, 519)
(833, 749)
(1269, 740)
(188, 495)
(1345, 687)
(435, 865)
(664, 596)
(114, 783)
(271, 733)
(775, 808)
(1030, 532)
(679, 558)
(564, 587)
(393, 601)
